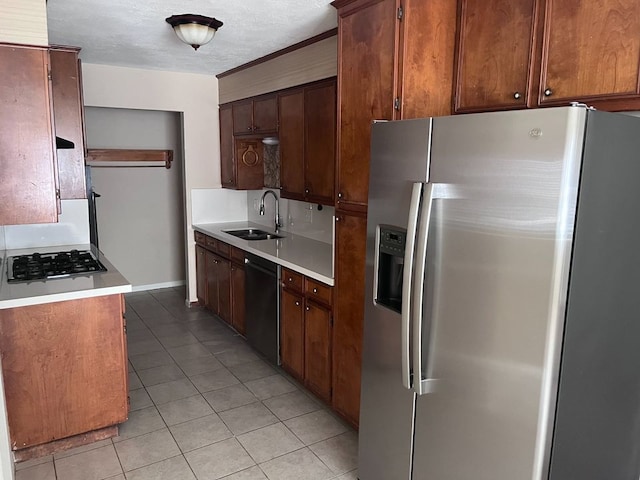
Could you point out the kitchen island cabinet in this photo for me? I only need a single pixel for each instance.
(64, 366)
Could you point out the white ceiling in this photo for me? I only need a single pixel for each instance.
(135, 34)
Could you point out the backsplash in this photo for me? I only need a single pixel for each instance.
(215, 205)
(271, 155)
(299, 218)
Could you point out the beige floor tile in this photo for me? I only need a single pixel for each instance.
(95, 464)
(316, 426)
(33, 462)
(200, 365)
(247, 418)
(44, 471)
(292, 405)
(140, 422)
(175, 468)
(270, 442)
(83, 448)
(178, 340)
(272, 386)
(301, 464)
(352, 475)
(139, 399)
(230, 397)
(200, 432)
(134, 381)
(218, 460)
(170, 391)
(147, 344)
(158, 375)
(150, 360)
(339, 453)
(252, 370)
(188, 352)
(237, 356)
(206, 382)
(147, 449)
(252, 473)
(185, 409)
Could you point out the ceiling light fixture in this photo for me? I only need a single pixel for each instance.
(195, 30)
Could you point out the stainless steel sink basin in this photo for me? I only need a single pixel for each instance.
(253, 234)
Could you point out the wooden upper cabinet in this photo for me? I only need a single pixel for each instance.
(591, 51)
(291, 135)
(367, 38)
(428, 36)
(320, 142)
(494, 52)
(68, 113)
(249, 164)
(227, 167)
(28, 170)
(256, 115)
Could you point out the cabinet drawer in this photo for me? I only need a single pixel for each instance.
(211, 243)
(223, 249)
(201, 239)
(317, 291)
(237, 255)
(292, 280)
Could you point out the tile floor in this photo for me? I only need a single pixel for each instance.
(205, 406)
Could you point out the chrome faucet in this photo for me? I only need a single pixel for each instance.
(277, 203)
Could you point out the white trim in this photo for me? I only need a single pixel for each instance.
(155, 286)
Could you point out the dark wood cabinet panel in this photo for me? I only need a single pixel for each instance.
(201, 275)
(227, 166)
(68, 113)
(291, 135)
(224, 289)
(591, 51)
(292, 333)
(64, 367)
(494, 54)
(242, 117)
(211, 261)
(249, 164)
(320, 142)
(28, 170)
(350, 248)
(265, 114)
(317, 349)
(366, 68)
(238, 298)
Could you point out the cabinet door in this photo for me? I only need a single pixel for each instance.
(351, 238)
(249, 164)
(495, 41)
(64, 368)
(28, 176)
(320, 142)
(242, 117)
(366, 70)
(265, 115)
(428, 39)
(224, 289)
(591, 51)
(227, 167)
(237, 298)
(212, 281)
(292, 333)
(201, 275)
(291, 135)
(68, 113)
(317, 350)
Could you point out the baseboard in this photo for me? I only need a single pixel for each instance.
(156, 286)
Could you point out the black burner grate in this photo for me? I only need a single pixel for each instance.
(41, 266)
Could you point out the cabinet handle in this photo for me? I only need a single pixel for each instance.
(297, 303)
(250, 128)
(315, 290)
(339, 194)
(306, 190)
(517, 95)
(308, 308)
(548, 92)
(290, 279)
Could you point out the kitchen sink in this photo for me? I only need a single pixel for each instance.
(253, 234)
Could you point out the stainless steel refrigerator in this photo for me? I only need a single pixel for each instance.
(502, 316)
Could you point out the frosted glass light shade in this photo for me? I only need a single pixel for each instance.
(194, 30)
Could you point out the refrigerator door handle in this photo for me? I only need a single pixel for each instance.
(421, 384)
(407, 280)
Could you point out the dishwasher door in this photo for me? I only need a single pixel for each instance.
(262, 306)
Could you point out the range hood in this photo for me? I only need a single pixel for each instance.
(64, 143)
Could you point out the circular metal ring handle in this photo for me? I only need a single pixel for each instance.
(246, 157)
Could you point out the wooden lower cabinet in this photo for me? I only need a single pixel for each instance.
(201, 275)
(305, 332)
(64, 366)
(237, 297)
(350, 248)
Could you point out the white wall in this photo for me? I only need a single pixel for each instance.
(196, 96)
(140, 212)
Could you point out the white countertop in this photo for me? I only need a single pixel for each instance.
(301, 254)
(59, 289)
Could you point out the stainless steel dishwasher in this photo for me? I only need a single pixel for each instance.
(262, 306)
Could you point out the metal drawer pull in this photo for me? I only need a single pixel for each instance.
(315, 290)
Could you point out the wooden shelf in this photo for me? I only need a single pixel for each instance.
(100, 157)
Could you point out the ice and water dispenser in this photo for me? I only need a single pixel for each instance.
(390, 263)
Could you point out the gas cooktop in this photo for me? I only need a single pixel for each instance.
(42, 266)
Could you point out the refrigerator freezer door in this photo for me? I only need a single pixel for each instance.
(497, 264)
(400, 152)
